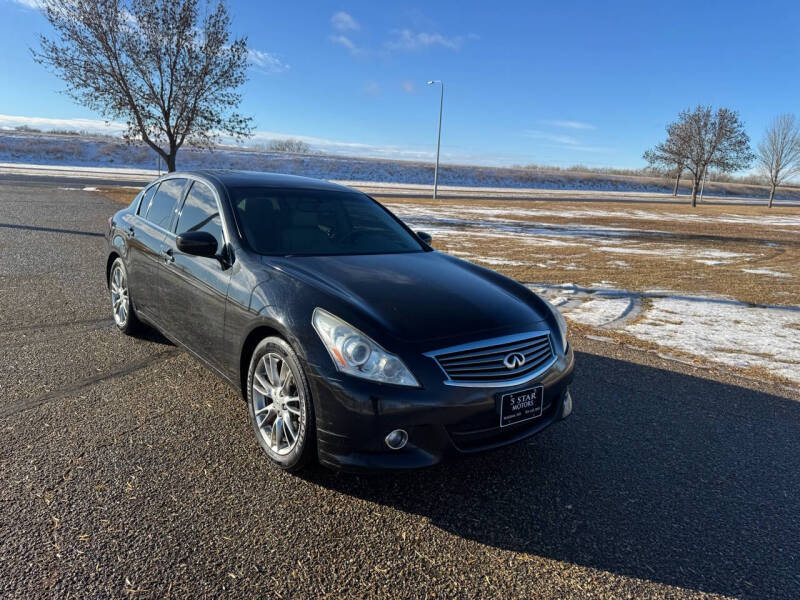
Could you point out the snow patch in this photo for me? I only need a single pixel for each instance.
(716, 328)
(711, 262)
(600, 338)
(769, 272)
(712, 253)
(729, 332)
(599, 311)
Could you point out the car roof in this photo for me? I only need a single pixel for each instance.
(232, 178)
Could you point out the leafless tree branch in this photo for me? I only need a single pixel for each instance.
(705, 139)
(779, 152)
(172, 77)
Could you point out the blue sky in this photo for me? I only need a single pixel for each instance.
(526, 82)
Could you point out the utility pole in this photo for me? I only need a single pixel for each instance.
(438, 139)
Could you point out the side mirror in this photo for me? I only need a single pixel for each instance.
(425, 237)
(197, 243)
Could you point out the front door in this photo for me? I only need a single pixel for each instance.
(195, 288)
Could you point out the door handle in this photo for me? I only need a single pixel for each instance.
(166, 253)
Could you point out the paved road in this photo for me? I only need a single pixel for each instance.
(128, 470)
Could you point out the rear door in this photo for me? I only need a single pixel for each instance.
(195, 288)
(149, 231)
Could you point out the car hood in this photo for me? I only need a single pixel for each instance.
(420, 296)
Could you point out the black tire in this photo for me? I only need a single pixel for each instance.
(304, 449)
(130, 324)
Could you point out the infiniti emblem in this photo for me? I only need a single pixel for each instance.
(514, 360)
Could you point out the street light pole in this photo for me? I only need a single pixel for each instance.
(438, 139)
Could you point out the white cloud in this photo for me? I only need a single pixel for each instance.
(35, 4)
(408, 41)
(343, 40)
(556, 138)
(408, 87)
(342, 21)
(569, 124)
(563, 141)
(372, 88)
(265, 61)
(46, 124)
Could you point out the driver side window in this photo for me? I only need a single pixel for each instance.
(200, 213)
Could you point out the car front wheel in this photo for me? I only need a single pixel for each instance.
(280, 407)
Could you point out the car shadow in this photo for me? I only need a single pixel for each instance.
(51, 229)
(151, 334)
(658, 475)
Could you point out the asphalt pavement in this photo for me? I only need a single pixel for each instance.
(129, 470)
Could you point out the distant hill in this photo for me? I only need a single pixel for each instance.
(66, 148)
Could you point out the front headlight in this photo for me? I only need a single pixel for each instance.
(356, 354)
(561, 321)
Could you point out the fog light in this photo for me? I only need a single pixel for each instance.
(567, 409)
(396, 439)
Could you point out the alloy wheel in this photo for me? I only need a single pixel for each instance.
(278, 409)
(120, 299)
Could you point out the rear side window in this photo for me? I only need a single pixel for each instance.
(200, 213)
(146, 198)
(164, 201)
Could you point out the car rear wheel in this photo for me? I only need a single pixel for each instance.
(280, 407)
(121, 306)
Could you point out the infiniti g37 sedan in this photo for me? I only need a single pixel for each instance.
(352, 340)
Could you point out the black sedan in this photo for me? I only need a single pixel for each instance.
(352, 340)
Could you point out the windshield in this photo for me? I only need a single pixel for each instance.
(315, 222)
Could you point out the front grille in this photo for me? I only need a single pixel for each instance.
(483, 362)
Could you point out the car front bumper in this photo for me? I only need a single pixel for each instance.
(353, 418)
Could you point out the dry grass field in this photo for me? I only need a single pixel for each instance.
(749, 253)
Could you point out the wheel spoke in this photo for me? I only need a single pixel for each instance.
(277, 433)
(267, 409)
(287, 381)
(272, 371)
(283, 374)
(293, 410)
(263, 387)
(287, 423)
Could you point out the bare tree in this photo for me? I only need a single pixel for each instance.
(155, 64)
(710, 139)
(289, 145)
(716, 139)
(671, 154)
(779, 152)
